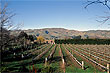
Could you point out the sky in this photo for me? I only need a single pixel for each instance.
(68, 14)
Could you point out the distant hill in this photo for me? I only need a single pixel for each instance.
(61, 33)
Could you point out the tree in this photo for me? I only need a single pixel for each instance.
(105, 3)
(23, 34)
(5, 25)
(31, 37)
(22, 38)
(40, 39)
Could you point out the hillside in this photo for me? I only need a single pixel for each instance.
(61, 33)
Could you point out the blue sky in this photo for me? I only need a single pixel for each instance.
(69, 14)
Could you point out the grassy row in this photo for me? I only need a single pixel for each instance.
(14, 66)
(56, 60)
(93, 58)
(70, 67)
(88, 67)
(53, 66)
(40, 63)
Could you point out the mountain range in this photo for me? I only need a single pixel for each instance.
(61, 33)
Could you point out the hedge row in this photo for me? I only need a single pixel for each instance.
(82, 41)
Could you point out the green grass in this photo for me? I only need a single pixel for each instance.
(47, 54)
(54, 65)
(14, 66)
(40, 65)
(88, 70)
(70, 68)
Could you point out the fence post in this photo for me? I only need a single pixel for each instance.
(82, 64)
(63, 64)
(108, 68)
(63, 61)
(45, 62)
(22, 55)
(14, 54)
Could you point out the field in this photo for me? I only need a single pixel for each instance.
(58, 58)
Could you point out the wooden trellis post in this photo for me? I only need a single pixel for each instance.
(45, 62)
(22, 55)
(63, 65)
(82, 64)
(108, 70)
(14, 54)
(63, 61)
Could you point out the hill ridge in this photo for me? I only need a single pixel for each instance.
(62, 33)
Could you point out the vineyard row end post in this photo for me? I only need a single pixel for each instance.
(108, 68)
(82, 64)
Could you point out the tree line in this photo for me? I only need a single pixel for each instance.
(82, 41)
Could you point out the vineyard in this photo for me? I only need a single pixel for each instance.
(59, 58)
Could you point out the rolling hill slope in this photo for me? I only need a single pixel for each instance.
(61, 33)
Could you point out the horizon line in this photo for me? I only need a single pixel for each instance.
(65, 28)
